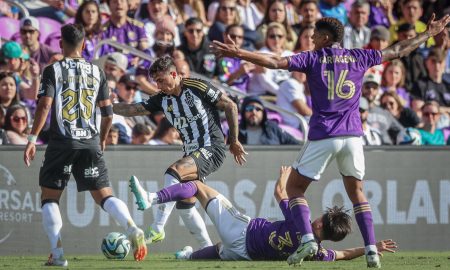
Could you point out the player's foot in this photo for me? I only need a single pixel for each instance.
(137, 239)
(151, 236)
(184, 254)
(61, 261)
(142, 196)
(303, 251)
(373, 260)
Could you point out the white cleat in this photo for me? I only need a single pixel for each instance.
(142, 198)
(184, 254)
(137, 239)
(61, 261)
(305, 250)
(373, 260)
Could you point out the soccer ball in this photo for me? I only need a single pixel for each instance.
(409, 136)
(115, 246)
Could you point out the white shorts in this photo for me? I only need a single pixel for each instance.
(231, 226)
(316, 155)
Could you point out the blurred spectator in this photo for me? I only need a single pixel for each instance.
(381, 13)
(432, 87)
(113, 136)
(392, 102)
(124, 30)
(8, 91)
(416, 105)
(60, 10)
(267, 81)
(183, 68)
(379, 38)
(334, 8)
(439, 7)
(88, 15)
(372, 136)
(185, 9)
(379, 118)
(8, 11)
(309, 12)
(141, 134)
(276, 12)
(16, 125)
(394, 81)
(430, 134)
(414, 61)
(356, 33)
(29, 34)
(305, 41)
(411, 13)
(116, 65)
(165, 134)
(256, 129)
(195, 47)
(3, 137)
(234, 71)
(292, 6)
(251, 12)
(158, 10)
(133, 8)
(291, 97)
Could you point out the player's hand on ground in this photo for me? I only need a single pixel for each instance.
(29, 153)
(238, 152)
(386, 245)
(435, 27)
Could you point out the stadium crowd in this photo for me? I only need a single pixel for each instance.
(405, 101)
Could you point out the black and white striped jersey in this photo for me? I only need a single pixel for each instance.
(75, 86)
(193, 113)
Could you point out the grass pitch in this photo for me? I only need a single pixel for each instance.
(400, 260)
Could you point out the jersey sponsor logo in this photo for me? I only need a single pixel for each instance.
(212, 94)
(67, 169)
(182, 122)
(170, 108)
(188, 97)
(78, 65)
(207, 154)
(189, 147)
(91, 172)
(81, 132)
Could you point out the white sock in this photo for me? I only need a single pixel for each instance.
(196, 226)
(119, 211)
(307, 237)
(371, 248)
(52, 223)
(165, 209)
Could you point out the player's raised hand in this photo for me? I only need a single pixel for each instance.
(238, 152)
(386, 245)
(227, 49)
(435, 27)
(29, 153)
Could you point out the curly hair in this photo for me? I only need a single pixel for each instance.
(162, 64)
(333, 26)
(336, 224)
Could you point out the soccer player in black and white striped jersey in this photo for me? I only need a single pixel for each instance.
(73, 88)
(191, 106)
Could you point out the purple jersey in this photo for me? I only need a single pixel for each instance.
(334, 77)
(277, 240)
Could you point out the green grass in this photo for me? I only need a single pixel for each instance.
(400, 260)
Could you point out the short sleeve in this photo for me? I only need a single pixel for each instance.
(153, 103)
(300, 61)
(103, 91)
(48, 82)
(209, 93)
(369, 58)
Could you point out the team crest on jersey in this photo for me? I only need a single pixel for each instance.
(189, 98)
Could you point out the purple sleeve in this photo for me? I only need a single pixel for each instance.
(368, 58)
(207, 253)
(300, 61)
(284, 206)
(324, 255)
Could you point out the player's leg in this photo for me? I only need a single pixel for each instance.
(309, 166)
(350, 162)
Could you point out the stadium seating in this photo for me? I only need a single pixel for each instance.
(9, 27)
(47, 26)
(52, 41)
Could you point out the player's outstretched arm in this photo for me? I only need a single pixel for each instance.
(129, 109)
(349, 254)
(262, 59)
(405, 47)
(280, 185)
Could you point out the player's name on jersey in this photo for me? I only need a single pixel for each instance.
(337, 59)
(89, 80)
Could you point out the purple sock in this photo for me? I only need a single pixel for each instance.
(177, 192)
(207, 253)
(300, 214)
(363, 216)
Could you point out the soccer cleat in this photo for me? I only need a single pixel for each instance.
(137, 239)
(151, 236)
(307, 249)
(142, 198)
(373, 260)
(56, 261)
(184, 254)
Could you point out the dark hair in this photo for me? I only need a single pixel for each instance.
(305, 2)
(437, 53)
(285, 23)
(336, 224)
(141, 129)
(302, 30)
(72, 34)
(404, 27)
(16, 98)
(333, 26)
(114, 128)
(231, 26)
(193, 20)
(404, 2)
(9, 113)
(162, 64)
(79, 16)
(162, 129)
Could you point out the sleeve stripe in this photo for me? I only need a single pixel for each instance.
(197, 84)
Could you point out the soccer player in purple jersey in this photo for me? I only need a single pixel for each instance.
(334, 76)
(258, 239)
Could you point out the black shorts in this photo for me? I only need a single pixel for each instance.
(208, 159)
(87, 165)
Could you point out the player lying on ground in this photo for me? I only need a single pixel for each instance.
(244, 238)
